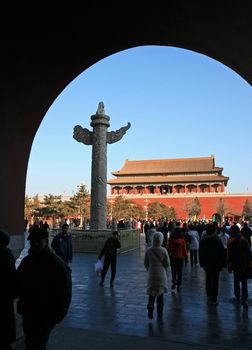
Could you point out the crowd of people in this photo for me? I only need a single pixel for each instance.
(214, 247)
(42, 286)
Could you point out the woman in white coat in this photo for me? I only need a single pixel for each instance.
(193, 245)
(156, 262)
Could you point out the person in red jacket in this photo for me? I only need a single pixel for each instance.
(177, 251)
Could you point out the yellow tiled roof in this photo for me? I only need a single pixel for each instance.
(168, 166)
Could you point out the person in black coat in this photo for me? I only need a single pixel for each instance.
(44, 290)
(212, 259)
(246, 233)
(62, 244)
(7, 293)
(164, 230)
(109, 251)
(239, 259)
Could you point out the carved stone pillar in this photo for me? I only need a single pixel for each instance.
(98, 210)
(99, 138)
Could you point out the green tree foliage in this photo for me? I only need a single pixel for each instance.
(160, 210)
(52, 206)
(32, 207)
(28, 207)
(193, 208)
(247, 210)
(171, 214)
(137, 211)
(79, 204)
(125, 209)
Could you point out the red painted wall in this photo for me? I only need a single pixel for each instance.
(233, 203)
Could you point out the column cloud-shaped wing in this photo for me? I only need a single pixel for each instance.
(83, 135)
(114, 136)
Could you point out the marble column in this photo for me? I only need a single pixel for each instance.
(99, 138)
(98, 213)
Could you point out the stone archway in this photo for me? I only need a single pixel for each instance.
(35, 71)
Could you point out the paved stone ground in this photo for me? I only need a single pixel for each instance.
(116, 318)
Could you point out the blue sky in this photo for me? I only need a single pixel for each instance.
(180, 104)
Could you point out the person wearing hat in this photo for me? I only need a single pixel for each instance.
(7, 292)
(44, 290)
(109, 251)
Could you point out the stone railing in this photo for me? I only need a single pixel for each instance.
(89, 241)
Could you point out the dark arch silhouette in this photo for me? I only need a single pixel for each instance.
(44, 49)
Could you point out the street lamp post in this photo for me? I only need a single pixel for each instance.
(146, 209)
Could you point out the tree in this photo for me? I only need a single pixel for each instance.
(193, 208)
(247, 210)
(160, 210)
(79, 204)
(171, 213)
(221, 208)
(52, 207)
(156, 210)
(28, 208)
(32, 207)
(125, 209)
(137, 210)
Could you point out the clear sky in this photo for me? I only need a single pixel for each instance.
(180, 104)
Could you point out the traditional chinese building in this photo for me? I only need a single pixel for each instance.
(175, 182)
(169, 176)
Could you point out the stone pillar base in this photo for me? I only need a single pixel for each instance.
(92, 241)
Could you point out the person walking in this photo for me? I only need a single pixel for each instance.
(164, 230)
(212, 258)
(109, 251)
(239, 259)
(193, 244)
(186, 237)
(7, 292)
(177, 252)
(224, 237)
(156, 262)
(246, 232)
(62, 244)
(44, 290)
(150, 233)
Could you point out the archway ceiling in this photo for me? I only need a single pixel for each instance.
(45, 48)
(66, 40)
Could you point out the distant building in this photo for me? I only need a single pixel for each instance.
(169, 176)
(176, 182)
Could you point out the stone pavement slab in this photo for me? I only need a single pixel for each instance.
(116, 318)
(80, 339)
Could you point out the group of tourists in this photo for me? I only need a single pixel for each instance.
(41, 286)
(215, 248)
